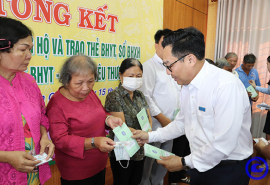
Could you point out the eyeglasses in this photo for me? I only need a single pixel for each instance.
(170, 66)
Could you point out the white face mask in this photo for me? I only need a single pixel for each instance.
(132, 84)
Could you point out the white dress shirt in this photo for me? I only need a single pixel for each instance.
(160, 90)
(216, 118)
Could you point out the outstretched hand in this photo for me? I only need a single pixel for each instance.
(172, 163)
(141, 137)
(104, 144)
(114, 122)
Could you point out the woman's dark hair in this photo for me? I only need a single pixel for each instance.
(11, 31)
(128, 63)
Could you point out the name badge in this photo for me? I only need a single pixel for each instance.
(202, 109)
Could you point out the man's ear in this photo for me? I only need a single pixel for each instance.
(192, 60)
(156, 45)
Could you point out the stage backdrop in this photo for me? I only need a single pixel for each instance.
(107, 31)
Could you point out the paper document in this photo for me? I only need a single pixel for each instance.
(263, 106)
(252, 91)
(42, 158)
(154, 152)
(143, 120)
(124, 134)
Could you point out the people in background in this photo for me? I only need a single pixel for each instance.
(261, 146)
(126, 102)
(246, 73)
(214, 115)
(222, 63)
(23, 128)
(232, 58)
(162, 94)
(77, 124)
(266, 129)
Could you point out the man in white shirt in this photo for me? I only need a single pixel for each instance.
(215, 115)
(161, 93)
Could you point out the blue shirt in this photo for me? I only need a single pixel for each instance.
(253, 75)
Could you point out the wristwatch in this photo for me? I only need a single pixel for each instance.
(93, 142)
(185, 167)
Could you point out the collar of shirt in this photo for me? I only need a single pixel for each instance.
(158, 59)
(241, 70)
(199, 78)
(123, 92)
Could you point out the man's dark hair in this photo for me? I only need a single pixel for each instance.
(249, 58)
(161, 33)
(186, 41)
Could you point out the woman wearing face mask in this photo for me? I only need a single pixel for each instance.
(126, 102)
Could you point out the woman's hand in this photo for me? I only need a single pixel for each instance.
(104, 144)
(252, 82)
(114, 122)
(46, 146)
(22, 161)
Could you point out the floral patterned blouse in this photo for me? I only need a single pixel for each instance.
(119, 101)
(32, 178)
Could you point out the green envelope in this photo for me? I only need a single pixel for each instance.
(154, 152)
(143, 120)
(124, 134)
(252, 91)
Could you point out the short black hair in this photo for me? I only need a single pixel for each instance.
(186, 41)
(161, 33)
(128, 63)
(268, 59)
(211, 61)
(12, 31)
(249, 58)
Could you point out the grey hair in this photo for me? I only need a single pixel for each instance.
(230, 55)
(75, 65)
(222, 62)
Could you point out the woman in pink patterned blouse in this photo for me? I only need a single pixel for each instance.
(23, 126)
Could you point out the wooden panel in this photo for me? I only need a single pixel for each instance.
(199, 21)
(187, 2)
(201, 5)
(176, 15)
(211, 30)
(55, 179)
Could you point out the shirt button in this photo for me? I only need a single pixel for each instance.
(192, 96)
(193, 113)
